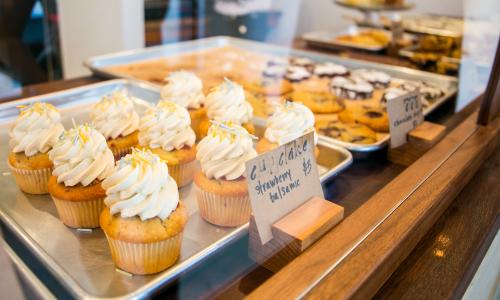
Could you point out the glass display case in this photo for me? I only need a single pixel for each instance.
(166, 104)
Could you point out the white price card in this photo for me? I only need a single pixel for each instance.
(281, 180)
(405, 113)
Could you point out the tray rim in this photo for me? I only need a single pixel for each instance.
(92, 62)
(65, 279)
(311, 38)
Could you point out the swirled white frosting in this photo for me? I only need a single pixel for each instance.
(223, 152)
(81, 156)
(114, 115)
(290, 121)
(37, 129)
(141, 186)
(166, 126)
(227, 102)
(372, 76)
(183, 88)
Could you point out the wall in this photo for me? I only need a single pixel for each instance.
(94, 27)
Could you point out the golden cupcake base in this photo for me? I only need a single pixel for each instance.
(32, 181)
(79, 214)
(145, 258)
(227, 211)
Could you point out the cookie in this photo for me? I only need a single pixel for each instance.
(268, 86)
(374, 117)
(261, 108)
(330, 70)
(352, 88)
(322, 103)
(346, 132)
(378, 79)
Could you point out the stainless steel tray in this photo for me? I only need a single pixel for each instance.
(80, 260)
(98, 65)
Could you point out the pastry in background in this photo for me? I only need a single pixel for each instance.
(378, 79)
(186, 89)
(317, 102)
(290, 121)
(165, 130)
(32, 135)
(353, 88)
(143, 219)
(346, 132)
(330, 70)
(227, 103)
(297, 73)
(374, 117)
(114, 116)
(221, 186)
(82, 160)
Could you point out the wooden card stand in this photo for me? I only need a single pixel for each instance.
(294, 233)
(420, 139)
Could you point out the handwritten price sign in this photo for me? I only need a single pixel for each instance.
(405, 113)
(281, 180)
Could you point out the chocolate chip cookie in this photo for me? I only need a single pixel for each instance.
(374, 117)
(346, 132)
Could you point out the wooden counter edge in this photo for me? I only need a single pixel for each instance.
(314, 264)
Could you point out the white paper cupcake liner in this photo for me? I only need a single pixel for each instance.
(79, 214)
(145, 258)
(223, 210)
(183, 173)
(32, 181)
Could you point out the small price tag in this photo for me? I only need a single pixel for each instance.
(281, 180)
(405, 113)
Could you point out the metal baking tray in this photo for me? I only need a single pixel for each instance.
(434, 25)
(79, 260)
(99, 65)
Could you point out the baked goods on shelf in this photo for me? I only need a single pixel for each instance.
(165, 130)
(347, 132)
(114, 116)
(372, 37)
(81, 160)
(32, 135)
(374, 117)
(144, 218)
(221, 186)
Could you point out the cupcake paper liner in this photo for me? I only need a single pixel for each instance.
(223, 210)
(183, 173)
(79, 214)
(145, 258)
(32, 181)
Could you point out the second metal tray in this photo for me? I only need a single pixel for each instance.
(100, 65)
(79, 260)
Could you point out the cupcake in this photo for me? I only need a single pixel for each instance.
(221, 186)
(186, 89)
(290, 121)
(165, 130)
(81, 160)
(114, 116)
(32, 135)
(143, 219)
(227, 103)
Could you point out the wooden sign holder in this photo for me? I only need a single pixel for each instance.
(294, 233)
(420, 139)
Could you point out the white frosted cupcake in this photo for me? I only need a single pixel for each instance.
(290, 121)
(221, 186)
(186, 89)
(114, 116)
(165, 130)
(144, 218)
(32, 135)
(81, 160)
(227, 103)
